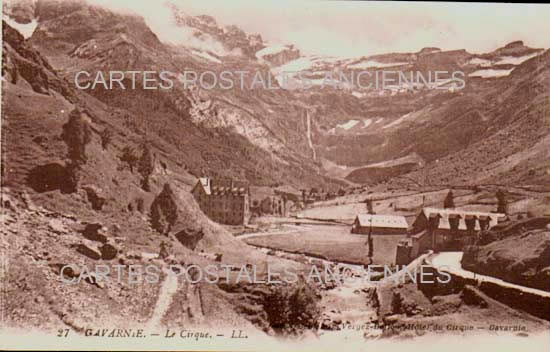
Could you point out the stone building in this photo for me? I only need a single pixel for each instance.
(452, 229)
(225, 201)
(267, 201)
(273, 205)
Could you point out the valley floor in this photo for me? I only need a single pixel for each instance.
(334, 243)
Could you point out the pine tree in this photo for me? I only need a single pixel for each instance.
(370, 208)
(164, 210)
(130, 157)
(106, 137)
(77, 134)
(145, 167)
(502, 204)
(449, 201)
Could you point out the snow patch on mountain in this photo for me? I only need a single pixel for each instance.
(367, 123)
(284, 74)
(26, 29)
(200, 41)
(270, 50)
(502, 60)
(476, 61)
(375, 64)
(206, 56)
(301, 64)
(348, 125)
(512, 60)
(490, 73)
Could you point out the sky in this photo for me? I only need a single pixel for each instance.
(358, 28)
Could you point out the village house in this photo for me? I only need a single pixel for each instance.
(380, 224)
(290, 193)
(224, 201)
(443, 230)
(266, 201)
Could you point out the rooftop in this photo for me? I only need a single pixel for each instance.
(389, 221)
(212, 186)
(462, 215)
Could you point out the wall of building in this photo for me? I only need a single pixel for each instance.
(270, 205)
(364, 230)
(421, 243)
(403, 255)
(227, 208)
(446, 240)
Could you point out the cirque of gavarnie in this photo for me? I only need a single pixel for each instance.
(108, 175)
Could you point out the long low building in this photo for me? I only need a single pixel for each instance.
(379, 224)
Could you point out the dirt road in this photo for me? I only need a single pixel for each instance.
(450, 261)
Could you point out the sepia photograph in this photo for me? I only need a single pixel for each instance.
(209, 175)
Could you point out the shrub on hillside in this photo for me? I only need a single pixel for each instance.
(396, 302)
(449, 201)
(106, 137)
(292, 309)
(130, 157)
(77, 134)
(145, 167)
(502, 203)
(164, 211)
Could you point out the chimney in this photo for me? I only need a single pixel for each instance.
(433, 224)
(370, 209)
(484, 222)
(433, 221)
(470, 223)
(454, 221)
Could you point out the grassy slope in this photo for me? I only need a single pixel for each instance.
(523, 259)
(333, 243)
(42, 228)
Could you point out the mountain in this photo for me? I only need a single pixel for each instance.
(22, 12)
(223, 40)
(259, 135)
(81, 186)
(357, 129)
(95, 176)
(273, 136)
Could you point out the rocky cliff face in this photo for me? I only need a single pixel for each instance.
(233, 39)
(523, 259)
(22, 11)
(80, 37)
(107, 216)
(24, 66)
(350, 126)
(278, 55)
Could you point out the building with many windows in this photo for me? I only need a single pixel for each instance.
(225, 201)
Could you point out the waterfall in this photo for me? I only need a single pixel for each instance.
(308, 134)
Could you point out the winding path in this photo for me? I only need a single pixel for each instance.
(167, 290)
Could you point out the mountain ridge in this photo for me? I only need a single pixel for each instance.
(274, 121)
